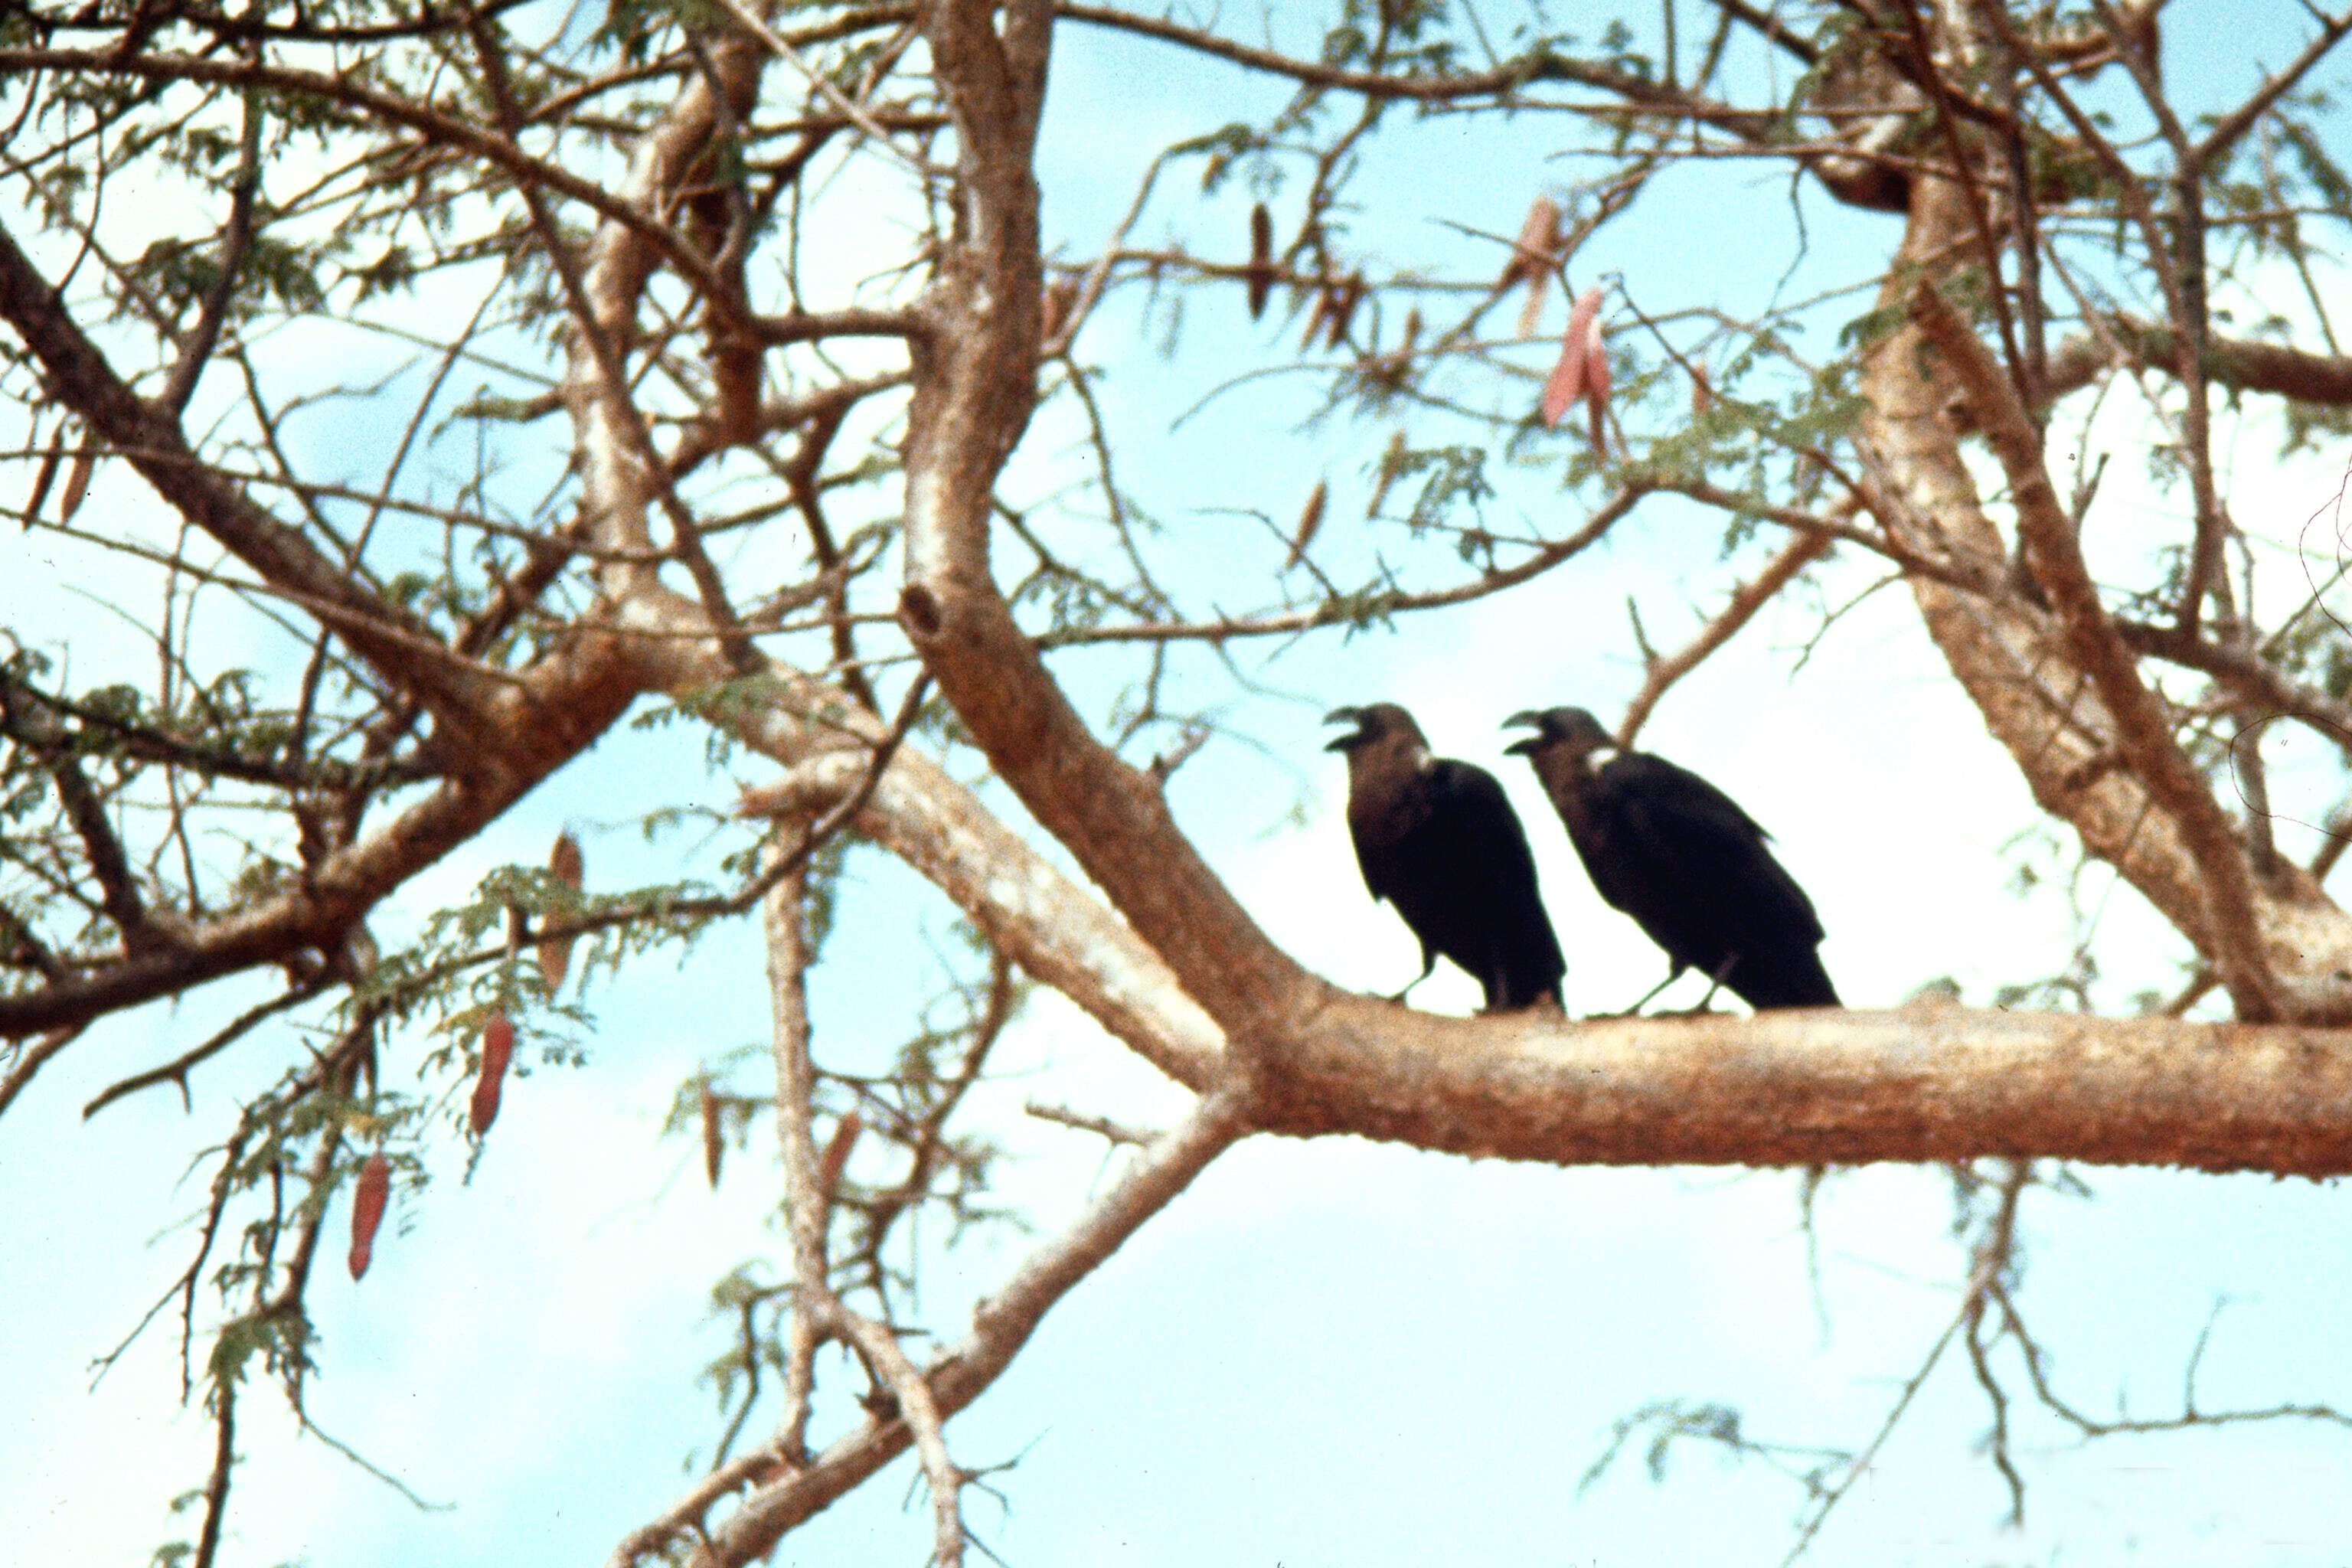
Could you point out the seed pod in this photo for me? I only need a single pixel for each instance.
(498, 1050)
(1054, 312)
(1391, 460)
(1346, 298)
(556, 953)
(714, 1140)
(1596, 390)
(367, 1210)
(1532, 255)
(1261, 262)
(836, 1154)
(1321, 316)
(76, 483)
(45, 477)
(1568, 381)
(1309, 520)
(1531, 310)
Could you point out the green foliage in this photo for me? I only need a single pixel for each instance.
(1451, 478)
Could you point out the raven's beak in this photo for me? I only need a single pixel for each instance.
(1345, 716)
(1525, 743)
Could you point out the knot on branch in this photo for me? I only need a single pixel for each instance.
(919, 611)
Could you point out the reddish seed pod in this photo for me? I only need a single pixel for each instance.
(836, 1153)
(1532, 308)
(1309, 520)
(45, 476)
(1596, 392)
(367, 1210)
(76, 483)
(498, 1050)
(1349, 295)
(555, 955)
(714, 1139)
(1580, 347)
(1261, 261)
(1538, 240)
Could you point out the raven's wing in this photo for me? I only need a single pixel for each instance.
(1695, 834)
(1385, 840)
(1713, 890)
(1497, 927)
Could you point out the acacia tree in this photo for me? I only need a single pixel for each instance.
(784, 520)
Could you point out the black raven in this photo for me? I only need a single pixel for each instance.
(1437, 839)
(1674, 852)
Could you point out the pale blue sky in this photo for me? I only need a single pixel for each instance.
(1325, 1354)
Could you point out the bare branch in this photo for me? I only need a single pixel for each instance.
(2247, 365)
(1746, 600)
(1000, 1326)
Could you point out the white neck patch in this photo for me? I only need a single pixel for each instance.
(1600, 757)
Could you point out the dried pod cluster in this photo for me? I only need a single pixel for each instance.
(1581, 374)
(1534, 256)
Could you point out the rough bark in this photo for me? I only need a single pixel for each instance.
(2012, 658)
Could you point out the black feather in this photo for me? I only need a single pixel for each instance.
(1679, 855)
(1437, 838)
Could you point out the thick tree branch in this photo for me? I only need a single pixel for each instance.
(2232, 935)
(975, 380)
(1057, 931)
(151, 440)
(1925, 1084)
(2009, 659)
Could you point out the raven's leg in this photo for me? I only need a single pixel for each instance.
(1674, 974)
(1714, 985)
(1428, 962)
(1499, 999)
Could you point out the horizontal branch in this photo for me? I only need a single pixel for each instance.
(1357, 609)
(2235, 362)
(809, 326)
(1847, 170)
(551, 714)
(1808, 1088)
(2244, 673)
